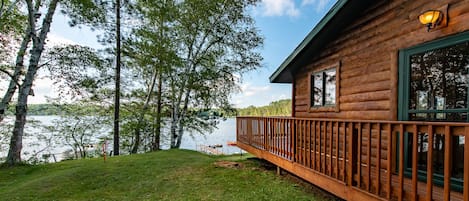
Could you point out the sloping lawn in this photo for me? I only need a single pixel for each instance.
(164, 175)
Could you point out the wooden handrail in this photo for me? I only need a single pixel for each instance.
(360, 153)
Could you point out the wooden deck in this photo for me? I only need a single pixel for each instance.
(356, 159)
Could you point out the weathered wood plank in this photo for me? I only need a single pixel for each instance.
(389, 162)
(466, 165)
(401, 163)
(430, 164)
(378, 163)
(447, 164)
(414, 162)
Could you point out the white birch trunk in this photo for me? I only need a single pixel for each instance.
(14, 154)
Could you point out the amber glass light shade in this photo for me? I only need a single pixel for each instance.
(430, 18)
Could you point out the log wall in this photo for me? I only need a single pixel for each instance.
(368, 52)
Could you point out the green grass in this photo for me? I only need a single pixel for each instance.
(164, 175)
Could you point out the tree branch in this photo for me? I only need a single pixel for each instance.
(11, 76)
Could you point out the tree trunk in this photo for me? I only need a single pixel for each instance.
(156, 140)
(174, 124)
(118, 70)
(182, 116)
(14, 153)
(141, 119)
(19, 67)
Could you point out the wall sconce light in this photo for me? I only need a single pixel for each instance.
(431, 18)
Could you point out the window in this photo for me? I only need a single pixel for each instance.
(323, 89)
(433, 86)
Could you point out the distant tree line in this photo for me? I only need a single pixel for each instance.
(181, 61)
(275, 108)
(53, 109)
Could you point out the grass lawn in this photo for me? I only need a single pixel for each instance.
(164, 175)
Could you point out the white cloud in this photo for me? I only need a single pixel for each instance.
(249, 90)
(320, 5)
(260, 95)
(279, 8)
(53, 40)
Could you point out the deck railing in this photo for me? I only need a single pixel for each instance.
(368, 155)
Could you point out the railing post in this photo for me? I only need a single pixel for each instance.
(430, 164)
(293, 139)
(264, 126)
(249, 130)
(401, 162)
(351, 153)
(466, 164)
(447, 164)
(237, 129)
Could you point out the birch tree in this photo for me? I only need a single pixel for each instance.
(152, 52)
(217, 40)
(80, 11)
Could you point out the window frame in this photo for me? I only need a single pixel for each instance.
(324, 107)
(404, 97)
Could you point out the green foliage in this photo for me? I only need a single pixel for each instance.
(275, 108)
(163, 175)
(88, 12)
(12, 19)
(77, 128)
(54, 109)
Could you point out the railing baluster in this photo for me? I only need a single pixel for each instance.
(324, 160)
(300, 142)
(429, 163)
(282, 137)
(331, 138)
(303, 128)
(314, 144)
(414, 161)
(344, 152)
(447, 171)
(272, 135)
(297, 145)
(293, 138)
(359, 156)
(368, 162)
(286, 143)
(378, 160)
(319, 159)
(401, 162)
(389, 160)
(278, 133)
(349, 134)
(466, 164)
(337, 151)
(309, 143)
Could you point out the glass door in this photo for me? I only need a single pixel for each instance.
(434, 84)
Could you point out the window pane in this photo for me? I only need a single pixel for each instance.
(439, 79)
(317, 89)
(440, 116)
(438, 156)
(330, 80)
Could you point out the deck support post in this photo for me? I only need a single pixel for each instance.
(279, 170)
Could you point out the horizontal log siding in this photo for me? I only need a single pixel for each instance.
(367, 50)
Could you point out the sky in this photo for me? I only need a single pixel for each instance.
(282, 23)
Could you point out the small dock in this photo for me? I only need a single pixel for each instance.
(210, 149)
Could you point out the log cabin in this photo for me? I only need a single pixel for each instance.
(379, 103)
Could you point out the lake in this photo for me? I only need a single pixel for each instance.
(32, 142)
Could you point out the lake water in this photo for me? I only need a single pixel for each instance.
(32, 143)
